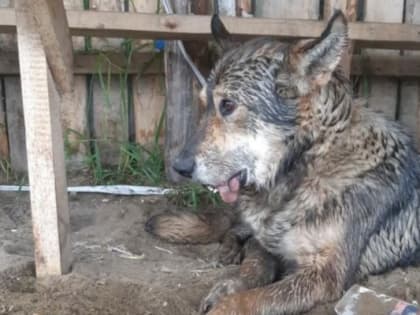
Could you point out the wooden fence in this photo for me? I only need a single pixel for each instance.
(119, 86)
(114, 107)
(120, 83)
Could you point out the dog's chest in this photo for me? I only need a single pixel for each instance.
(268, 227)
(288, 230)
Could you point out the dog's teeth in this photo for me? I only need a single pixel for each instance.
(212, 189)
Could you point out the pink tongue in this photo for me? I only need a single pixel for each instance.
(230, 192)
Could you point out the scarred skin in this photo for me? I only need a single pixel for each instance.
(334, 186)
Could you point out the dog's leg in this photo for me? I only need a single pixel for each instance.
(231, 248)
(258, 268)
(296, 293)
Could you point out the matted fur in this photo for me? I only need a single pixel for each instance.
(337, 185)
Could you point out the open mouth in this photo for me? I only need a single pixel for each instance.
(229, 190)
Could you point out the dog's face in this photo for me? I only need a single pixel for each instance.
(256, 99)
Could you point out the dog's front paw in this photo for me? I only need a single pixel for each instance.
(230, 254)
(230, 250)
(220, 290)
(231, 305)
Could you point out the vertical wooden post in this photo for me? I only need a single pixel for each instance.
(44, 141)
(148, 90)
(4, 141)
(181, 117)
(383, 94)
(15, 124)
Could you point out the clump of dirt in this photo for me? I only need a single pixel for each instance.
(119, 268)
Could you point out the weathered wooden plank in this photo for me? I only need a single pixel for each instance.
(115, 62)
(111, 6)
(107, 62)
(227, 7)
(180, 117)
(7, 44)
(386, 65)
(303, 9)
(8, 41)
(148, 63)
(383, 94)
(75, 115)
(78, 41)
(149, 104)
(110, 112)
(7, 18)
(73, 121)
(15, 124)
(4, 141)
(44, 139)
(149, 26)
(110, 117)
(410, 89)
(148, 90)
(51, 22)
(75, 128)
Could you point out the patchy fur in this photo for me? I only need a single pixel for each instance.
(336, 185)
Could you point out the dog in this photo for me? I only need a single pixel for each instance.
(326, 191)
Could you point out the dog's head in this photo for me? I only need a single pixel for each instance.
(257, 98)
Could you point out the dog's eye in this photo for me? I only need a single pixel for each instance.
(226, 107)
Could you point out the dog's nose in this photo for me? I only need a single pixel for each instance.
(184, 166)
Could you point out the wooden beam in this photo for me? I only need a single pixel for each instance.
(108, 62)
(45, 149)
(51, 20)
(149, 63)
(152, 26)
(387, 66)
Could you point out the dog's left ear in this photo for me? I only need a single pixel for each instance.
(220, 33)
(319, 58)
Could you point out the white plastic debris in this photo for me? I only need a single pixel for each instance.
(359, 300)
(108, 189)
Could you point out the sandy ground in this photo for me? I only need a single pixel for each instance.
(157, 278)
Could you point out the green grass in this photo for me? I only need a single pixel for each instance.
(194, 196)
(6, 170)
(8, 176)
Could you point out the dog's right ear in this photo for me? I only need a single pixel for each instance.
(220, 33)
